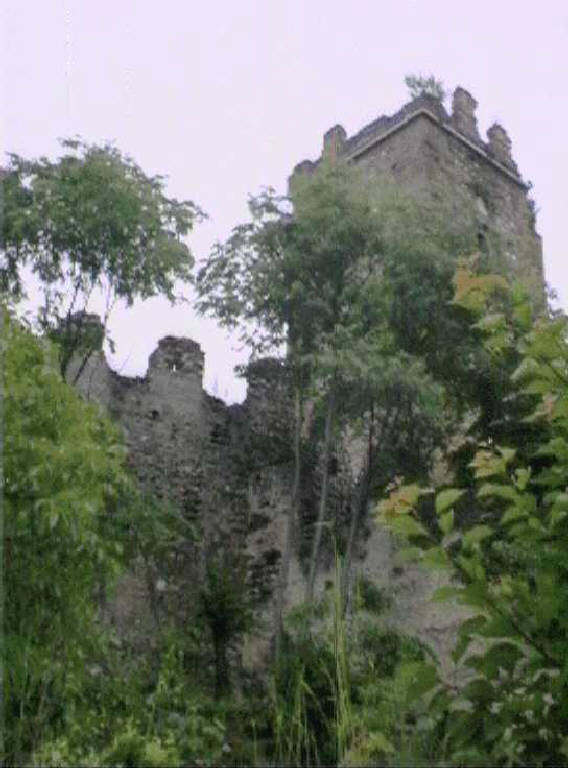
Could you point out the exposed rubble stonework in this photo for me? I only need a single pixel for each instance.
(230, 468)
(422, 148)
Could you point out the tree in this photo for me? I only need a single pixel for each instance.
(90, 221)
(339, 239)
(418, 85)
(510, 561)
(225, 607)
(65, 503)
(400, 412)
(251, 283)
(357, 283)
(295, 278)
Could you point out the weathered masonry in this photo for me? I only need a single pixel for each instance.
(230, 468)
(422, 148)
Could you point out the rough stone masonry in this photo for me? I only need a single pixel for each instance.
(230, 468)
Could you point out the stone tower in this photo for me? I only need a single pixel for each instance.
(422, 147)
(231, 467)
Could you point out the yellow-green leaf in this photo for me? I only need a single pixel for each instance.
(447, 498)
(446, 522)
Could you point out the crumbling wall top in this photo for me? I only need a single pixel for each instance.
(177, 355)
(462, 122)
(333, 141)
(500, 145)
(464, 118)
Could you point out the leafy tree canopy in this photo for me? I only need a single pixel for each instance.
(64, 495)
(90, 221)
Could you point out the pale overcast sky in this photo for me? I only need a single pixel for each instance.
(226, 97)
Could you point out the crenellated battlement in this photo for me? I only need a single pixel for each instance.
(177, 355)
(462, 122)
(423, 149)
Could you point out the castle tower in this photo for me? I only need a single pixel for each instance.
(422, 148)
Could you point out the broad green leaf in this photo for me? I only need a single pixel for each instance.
(476, 535)
(499, 625)
(446, 522)
(522, 477)
(421, 677)
(479, 692)
(405, 525)
(557, 516)
(468, 629)
(410, 554)
(447, 498)
(513, 514)
(436, 558)
(501, 655)
(488, 464)
(498, 491)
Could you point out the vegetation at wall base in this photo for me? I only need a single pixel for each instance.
(510, 561)
(384, 347)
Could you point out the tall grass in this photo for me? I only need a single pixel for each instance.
(342, 684)
(295, 743)
(296, 732)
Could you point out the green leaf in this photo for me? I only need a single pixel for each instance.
(501, 655)
(447, 498)
(513, 514)
(446, 522)
(522, 477)
(436, 558)
(410, 554)
(479, 692)
(498, 491)
(405, 525)
(476, 535)
(468, 629)
(421, 677)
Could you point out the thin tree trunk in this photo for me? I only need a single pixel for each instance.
(323, 496)
(81, 368)
(292, 512)
(222, 680)
(386, 427)
(361, 503)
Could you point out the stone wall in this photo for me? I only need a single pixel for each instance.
(424, 149)
(229, 469)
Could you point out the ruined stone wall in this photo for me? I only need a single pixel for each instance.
(226, 469)
(423, 149)
(229, 469)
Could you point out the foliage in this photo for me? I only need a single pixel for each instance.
(342, 685)
(132, 718)
(90, 221)
(72, 519)
(64, 483)
(418, 85)
(225, 607)
(511, 562)
(294, 279)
